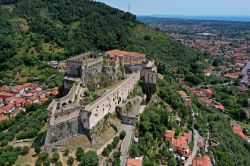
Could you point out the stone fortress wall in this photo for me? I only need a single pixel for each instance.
(108, 102)
(68, 117)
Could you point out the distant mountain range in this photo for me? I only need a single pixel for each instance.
(219, 18)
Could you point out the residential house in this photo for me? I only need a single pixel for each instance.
(3, 117)
(207, 92)
(18, 89)
(135, 162)
(169, 135)
(20, 102)
(202, 161)
(180, 145)
(4, 88)
(5, 95)
(11, 99)
(9, 108)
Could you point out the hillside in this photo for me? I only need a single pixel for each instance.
(34, 31)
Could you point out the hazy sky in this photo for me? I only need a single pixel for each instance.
(184, 7)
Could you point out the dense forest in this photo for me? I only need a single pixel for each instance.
(34, 31)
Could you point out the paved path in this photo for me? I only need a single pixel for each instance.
(195, 149)
(126, 143)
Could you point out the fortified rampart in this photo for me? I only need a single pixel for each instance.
(96, 111)
(69, 117)
(87, 117)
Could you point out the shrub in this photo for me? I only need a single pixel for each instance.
(66, 152)
(122, 135)
(58, 163)
(46, 162)
(37, 150)
(25, 150)
(70, 161)
(79, 153)
(43, 156)
(55, 157)
(38, 162)
(4, 143)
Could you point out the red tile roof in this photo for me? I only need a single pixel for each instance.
(10, 99)
(43, 100)
(202, 161)
(187, 136)
(169, 134)
(180, 142)
(28, 101)
(8, 107)
(5, 88)
(113, 53)
(237, 130)
(17, 88)
(2, 111)
(6, 94)
(134, 162)
(19, 100)
(4, 118)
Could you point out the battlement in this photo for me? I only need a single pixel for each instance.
(70, 108)
(86, 57)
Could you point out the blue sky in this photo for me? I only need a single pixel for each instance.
(184, 7)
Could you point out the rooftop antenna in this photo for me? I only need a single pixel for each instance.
(129, 7)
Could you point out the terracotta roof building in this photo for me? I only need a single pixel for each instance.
(202, 161)
(114, 53)
(132, 60)
(134, 162)
(169, 135)
(5, 95)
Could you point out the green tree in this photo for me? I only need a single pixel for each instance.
(55, 157)
(66, 152)
(89, 159)
(70, 161)
(25, 150)
(79, 153)
(37, 150)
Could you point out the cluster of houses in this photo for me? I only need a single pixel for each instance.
(205, 97)
(14, 98)
(234, 51)
(238, 131)
(230, 70)
(179, 144)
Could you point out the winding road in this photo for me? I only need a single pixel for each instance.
(195, 149)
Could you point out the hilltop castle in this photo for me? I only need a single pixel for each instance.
(68, 116)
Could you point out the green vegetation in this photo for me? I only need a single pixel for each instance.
(89, 158)
(9, 154)
(70, 161)
(106, 151)
(151, 145)
(231, 150)
(23, 126)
